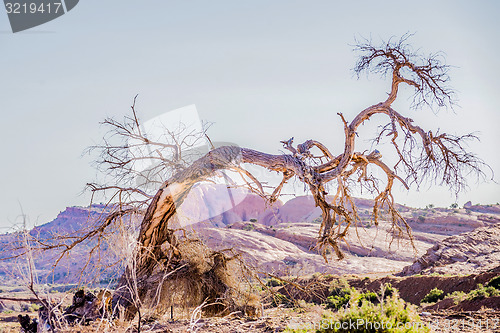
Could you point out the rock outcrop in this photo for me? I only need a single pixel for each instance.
(473, 252)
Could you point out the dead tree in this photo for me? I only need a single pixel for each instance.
(163, 254)
(421, 155)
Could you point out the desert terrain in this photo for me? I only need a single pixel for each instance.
(453, 250)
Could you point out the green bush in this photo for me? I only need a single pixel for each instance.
(389, 316)
(248, 227)
(33, 307)
(482, 292)
(370, 296)
(387, 290)
(478, 293)
(349, 295)
(433, 296)
(336, 285)
(495, 283)
(457, 296)
(339, 300)
(340, 294)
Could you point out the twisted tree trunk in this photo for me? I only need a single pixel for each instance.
(421, 155)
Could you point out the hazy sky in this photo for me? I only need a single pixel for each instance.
(262, 71)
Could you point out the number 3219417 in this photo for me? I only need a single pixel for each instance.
(32, 8)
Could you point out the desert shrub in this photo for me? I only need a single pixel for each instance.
(482, 292)
(391, 315)
(370, 296)
(387, 290)
(477, 293)
(433, 296)
(340, 299)
(274, 282)
(457, 296)
(248, 227)
(340, 294)
(336, 285)
(349, 295)
(495, 283)
(492, 291)
(34, 308)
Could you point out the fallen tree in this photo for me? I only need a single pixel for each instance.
(421, 155)
(168, 266)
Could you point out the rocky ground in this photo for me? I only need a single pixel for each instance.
(455, 249)
(478, 250)
(481, 315)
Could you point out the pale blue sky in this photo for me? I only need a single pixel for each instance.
(262, 71)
